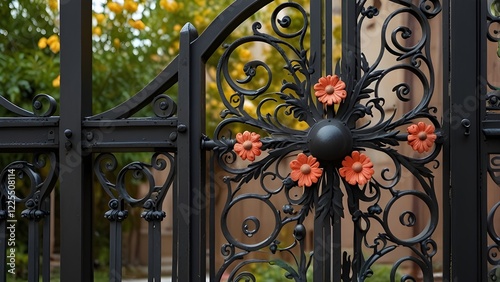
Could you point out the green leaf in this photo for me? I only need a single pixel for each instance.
(495, 8)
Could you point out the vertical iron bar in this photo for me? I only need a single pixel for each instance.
(357, 257)
(75, 168)
(3, 238)
(33, 250)
(191, 161)
(465, 186)
(154, 251)
(322, 227)
(350, 40)
(115, 250)
(446, 204)
(328, 36)
(321, 250)
(46, 241)
(175, 233)
(484, 157)
(350, 44)
(317, 51)
(211, 215)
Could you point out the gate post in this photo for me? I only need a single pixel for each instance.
(75, 167)
(464, 159)
(190, 203)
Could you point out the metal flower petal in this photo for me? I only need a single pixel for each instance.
(357, 168)
(421, 137)
(305, 170)
(248, 145)
(330, 90)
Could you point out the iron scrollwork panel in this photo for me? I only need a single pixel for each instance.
(306, 145)
(492, 37)
(491, 84)
(27, 186)
(492, 226)
(123, 193)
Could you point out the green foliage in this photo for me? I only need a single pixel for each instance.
(382, 273)
(25, 69)
(274, 272)
(268, 272)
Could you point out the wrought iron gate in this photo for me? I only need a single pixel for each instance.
(305, 152)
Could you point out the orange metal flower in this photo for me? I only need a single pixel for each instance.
(421, 136)
(248, 145)
(357, 168)
(330, 90)
(305, 170)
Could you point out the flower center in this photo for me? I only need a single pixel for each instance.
(329, 140)
(422, 135)
(247, 145)
(329, 89)
(357, 167)
(305, 169)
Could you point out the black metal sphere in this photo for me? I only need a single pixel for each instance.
(330, 140)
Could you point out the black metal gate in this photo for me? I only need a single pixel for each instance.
(325, 147)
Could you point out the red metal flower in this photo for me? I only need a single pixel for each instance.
(305, 170)
(421, 136)
(248, 145)
(330, 90)
(357, 168)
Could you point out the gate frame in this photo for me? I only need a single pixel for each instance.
(465, 208)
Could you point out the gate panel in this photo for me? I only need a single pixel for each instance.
(297, 146)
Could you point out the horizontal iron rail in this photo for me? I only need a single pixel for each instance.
(130, 135)
(491, 126)
(23, 134)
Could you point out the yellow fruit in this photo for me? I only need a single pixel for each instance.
(57, 81)
(55, 47)
(42, 43)
(115, 7)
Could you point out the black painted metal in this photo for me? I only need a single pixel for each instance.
(326, 258)
(79, 143)
(74, 165)
(465, 199)
(191, 195)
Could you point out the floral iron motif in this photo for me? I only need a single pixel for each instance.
(333, 155)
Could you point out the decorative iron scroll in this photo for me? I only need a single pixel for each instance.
(493, 104)
(493, 35)
(345, 126)
(152, 200)
(38, 189)
(43, 106)
(122, 194)
(494, 247)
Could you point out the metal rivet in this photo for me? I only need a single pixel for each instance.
(173, 136)
(68, 145)
(466, 124)
(37, 105)
(90, 136)
(182, 128)
(68, 133)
